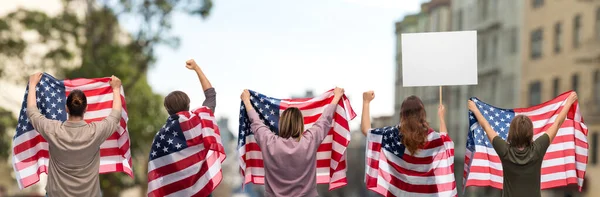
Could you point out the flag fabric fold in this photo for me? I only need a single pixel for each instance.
(391, 170)
(565, 160)
(186, 155)
(331, 155)
(30, 149)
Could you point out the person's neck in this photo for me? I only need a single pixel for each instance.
(75, 118)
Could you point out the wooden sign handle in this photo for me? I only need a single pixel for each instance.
(440, 95)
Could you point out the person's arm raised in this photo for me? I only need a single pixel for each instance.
(39, 122)
(365, 120)
(322, 126)
(482, 121)
(110, 124)
(261, 131)
(560, 119)
(210, 94)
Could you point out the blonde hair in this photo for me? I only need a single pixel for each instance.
(291, 123)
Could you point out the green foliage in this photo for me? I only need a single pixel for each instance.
(95, 45)
(7, 121)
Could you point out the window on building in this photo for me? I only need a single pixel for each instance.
(575, 82)
(556, 87)
(598, 24)
(594, 156)
(536, 43)
(494, 48)
(435, 21)
(577, 31)
(459, 20)
(457, 96)
(537, 3)
(483, 50)
(557, 37)
(514, 43)
(535, 93)
(493, 91)
(597, 87)
(482, 8)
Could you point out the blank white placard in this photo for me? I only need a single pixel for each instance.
(439, 59)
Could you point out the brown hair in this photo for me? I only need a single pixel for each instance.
(413, 124)
(291, 123)
(177, 101)
(76, 103)
(520, 132)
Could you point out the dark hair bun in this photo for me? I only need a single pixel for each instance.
(77, 101)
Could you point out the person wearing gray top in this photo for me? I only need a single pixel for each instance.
(74, 145)
(178, 101)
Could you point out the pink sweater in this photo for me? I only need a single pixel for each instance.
(290, 165)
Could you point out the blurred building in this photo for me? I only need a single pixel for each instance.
(307, 94)
(383, 121)
(499, 64)
(562, 39)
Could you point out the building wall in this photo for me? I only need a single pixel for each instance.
(499, 68)
(563, 65)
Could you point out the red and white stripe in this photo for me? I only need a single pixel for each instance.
(430, 172)
(331, 154)
(565, 160)
(195, 170)
(30, 150)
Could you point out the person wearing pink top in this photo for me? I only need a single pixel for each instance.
(290, 158)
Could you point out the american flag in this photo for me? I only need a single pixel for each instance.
(331, 154)
(186, 155)
(391, 170)
(565, 160)
(30, 150)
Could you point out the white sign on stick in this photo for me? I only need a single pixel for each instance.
(439, 59)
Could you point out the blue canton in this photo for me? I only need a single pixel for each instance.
(268, 111)
(169, 139)
(51, 101)
(391, 140)
(498, 118)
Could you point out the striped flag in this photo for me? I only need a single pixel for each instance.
(391, 170)
(186, 155)
(30, 150)
(331, 154)
(565, 160)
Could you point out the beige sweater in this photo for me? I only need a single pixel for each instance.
(74, 148)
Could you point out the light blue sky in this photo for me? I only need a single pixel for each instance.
(282, 48)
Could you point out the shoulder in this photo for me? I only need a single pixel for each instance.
(202, 110)
(542, 141)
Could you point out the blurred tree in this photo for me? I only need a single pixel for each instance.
(86, 40)
(7, 121)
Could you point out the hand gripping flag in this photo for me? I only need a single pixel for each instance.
(186, 155)
(30, 150)
(565, 160)
(331, 154)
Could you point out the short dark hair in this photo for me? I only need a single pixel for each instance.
(520, 133)
(177, 101)
(76, 103)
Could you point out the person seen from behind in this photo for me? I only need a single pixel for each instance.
(290, 157)
(521, 156)
(74, 145)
